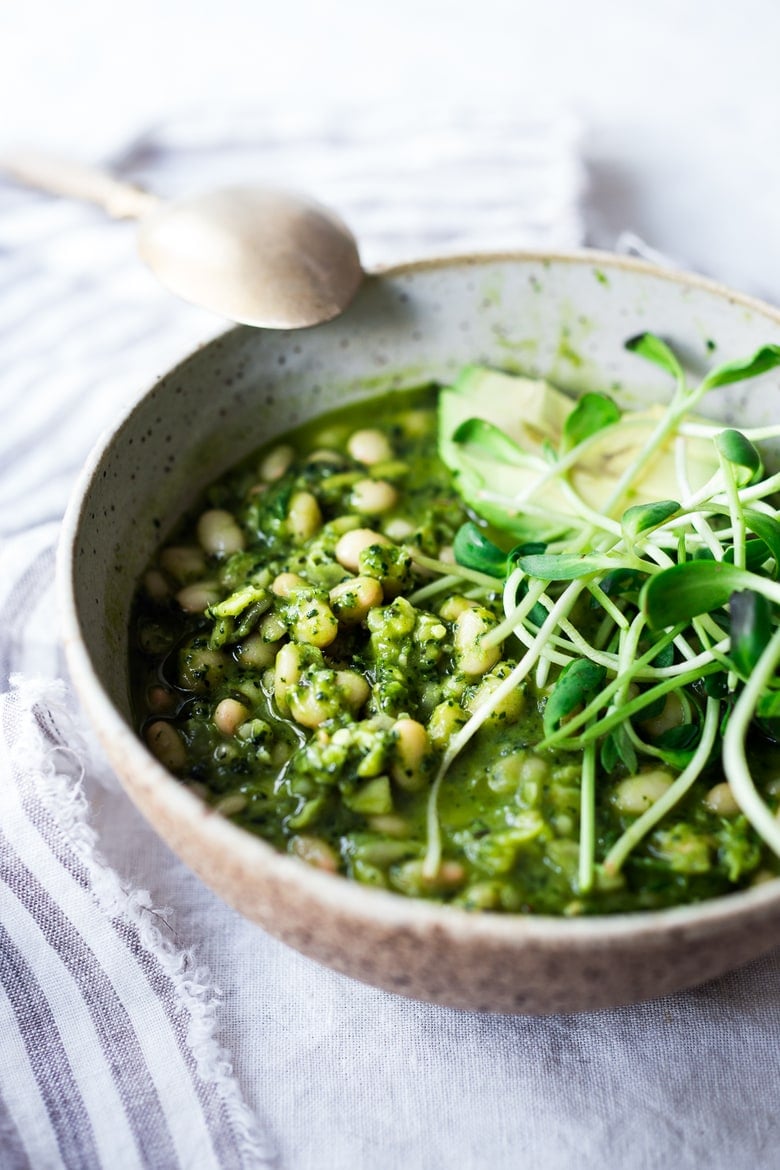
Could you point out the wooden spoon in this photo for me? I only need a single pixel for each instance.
(253, 254)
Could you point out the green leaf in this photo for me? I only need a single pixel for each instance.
(538, 614)
(560, 567)
(651, 709)
(577, 683)
(751, 629)
(474, 550)
(654, 350)
(664, 657)
(526, 549)
(768, 714)
(681, 738)
(608, 753)
(769, 704)
(756, 553)
(684, 591)
(738, 450)
(642, 517)
(624, 748)
(677, 759)
(592, 413)
(716, 686)
(481, 439)
(678, 744)
(767, 528)
(764, 359)
(621, 582)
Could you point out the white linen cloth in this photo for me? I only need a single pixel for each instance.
(116, 1048)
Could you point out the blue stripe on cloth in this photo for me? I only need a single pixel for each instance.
(221, 1118)
(216, 1114)
(28, 586)
(13, 1155)
(114, 1029)
(49, 1062)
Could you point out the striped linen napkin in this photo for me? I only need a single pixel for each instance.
(113, 1051)
(108, 1048)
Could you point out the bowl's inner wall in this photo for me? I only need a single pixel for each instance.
(566, 319)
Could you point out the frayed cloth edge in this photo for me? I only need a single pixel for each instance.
(59, 782)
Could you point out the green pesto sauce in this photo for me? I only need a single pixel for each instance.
(335, 788)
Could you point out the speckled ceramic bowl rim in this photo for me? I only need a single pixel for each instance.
(382, 907)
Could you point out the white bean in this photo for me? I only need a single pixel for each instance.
(352, 599)
(507, 710)
(287, 583)
(445, 721)
(720, 800)
(219, 534)
(160, 700)
(534, 770)
(314, 851)
(256, 653)
(411, 747)
(183, 563)
(287, 672)
(325, 456)
(637, 793)
(157, 588)
(671, 715)
(352, 544)
(389, 824)
(399, 528)
(417, 423)
(353, 687)
(504, 775)
(372, 497)
(316, 624)
(276, 462)
(202, 669)
(309, 710)
(369, 446)
(472, 657)
(229, 715)
(166, 744)
(454, 606)
(228, 806)
(304, 516)
(196, 598)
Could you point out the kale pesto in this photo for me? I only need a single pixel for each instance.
(323, 652)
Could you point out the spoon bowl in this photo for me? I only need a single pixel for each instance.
(253, 254)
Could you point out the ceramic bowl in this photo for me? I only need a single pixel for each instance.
(564, 317)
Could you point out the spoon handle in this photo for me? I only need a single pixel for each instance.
(76, 180)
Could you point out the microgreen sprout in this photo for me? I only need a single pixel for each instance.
(681, 593)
